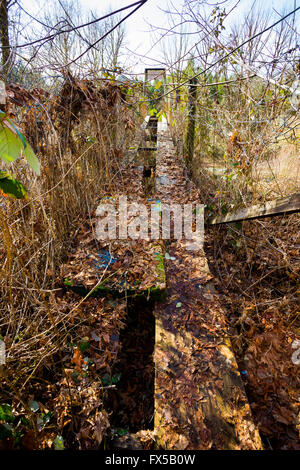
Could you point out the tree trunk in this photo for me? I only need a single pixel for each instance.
(4, 36)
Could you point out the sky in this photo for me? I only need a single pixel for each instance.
(139, 37)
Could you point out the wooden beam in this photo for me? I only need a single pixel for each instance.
(286, 205)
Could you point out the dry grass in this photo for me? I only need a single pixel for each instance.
(279, 176)
(37, 233)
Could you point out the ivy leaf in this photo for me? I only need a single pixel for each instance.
(11, 186)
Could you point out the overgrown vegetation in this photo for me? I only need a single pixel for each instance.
(82, 120)
(80, 152)
(247, 152)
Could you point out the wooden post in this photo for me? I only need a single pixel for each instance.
(190, 133)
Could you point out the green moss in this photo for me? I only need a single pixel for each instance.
(67, 282)
(153, 293)
(161, 268)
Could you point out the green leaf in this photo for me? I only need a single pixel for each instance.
(40, 423)
(5, 431)
(59, 443)
(10, 186)
(46, 417)
(121, 431)
(34, 406)
(106, 380)
(6, 413)
(84, 346)
(5, 121)
(10, 125)
(238, 225)
(10, 146)
(14, 145)
(68, 282)
(32, 159)
(116, 378)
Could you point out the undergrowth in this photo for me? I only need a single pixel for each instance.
(238, 163)
(81, 135)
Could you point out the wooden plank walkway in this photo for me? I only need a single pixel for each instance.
(121, 267)
(200, 401)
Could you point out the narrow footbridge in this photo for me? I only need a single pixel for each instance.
(199, 397)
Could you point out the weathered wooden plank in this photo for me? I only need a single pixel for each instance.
(200, 400)
(286, 205)
(121, 267)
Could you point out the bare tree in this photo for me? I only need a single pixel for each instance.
(62, 50)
